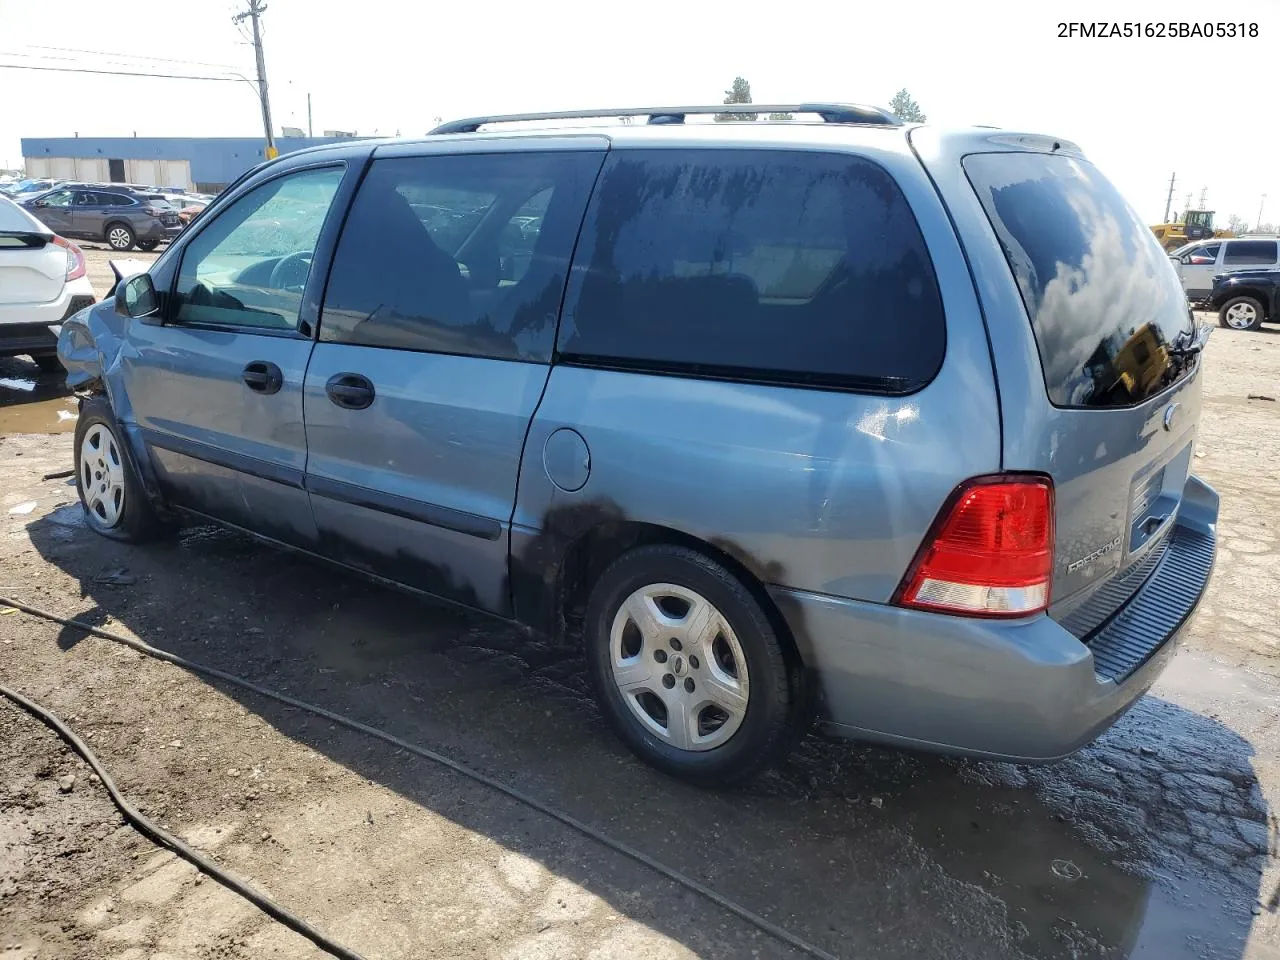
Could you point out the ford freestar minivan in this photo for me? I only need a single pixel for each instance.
(885, 423)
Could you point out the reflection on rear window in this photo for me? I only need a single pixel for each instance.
(1104, 300)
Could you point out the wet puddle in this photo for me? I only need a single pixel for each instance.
(34, 402)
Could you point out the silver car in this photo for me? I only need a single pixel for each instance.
(884, 424)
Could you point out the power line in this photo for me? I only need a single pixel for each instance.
(130, 56)
(117, 73)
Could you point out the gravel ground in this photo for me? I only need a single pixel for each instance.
(1158, 841)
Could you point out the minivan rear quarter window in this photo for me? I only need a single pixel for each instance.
(1104, 300)
(787, 267)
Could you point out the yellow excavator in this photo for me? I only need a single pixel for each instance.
(1194, 225)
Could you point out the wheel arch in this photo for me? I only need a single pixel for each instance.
(592, 549)
(1253, 293)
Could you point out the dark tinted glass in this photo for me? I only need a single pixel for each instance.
(1104, 300)
(1240, 252)
(761, 265)
(459, 254)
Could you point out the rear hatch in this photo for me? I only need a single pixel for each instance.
(1116, 416)
(32, 268)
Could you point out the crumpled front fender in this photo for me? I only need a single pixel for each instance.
(89, 345)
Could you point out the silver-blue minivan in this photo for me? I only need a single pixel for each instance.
(834, 417)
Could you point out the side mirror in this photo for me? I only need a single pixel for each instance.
(136, 298)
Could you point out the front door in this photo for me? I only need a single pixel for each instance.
(216, 391)
(436, 336)
(54, 211)
(1197, 270)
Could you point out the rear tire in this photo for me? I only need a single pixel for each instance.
(1241, 313)
(114, 502)
(120, 236)
(148, 245)
(703, 690)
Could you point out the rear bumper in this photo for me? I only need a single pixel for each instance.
(1024, 690)
(27, 328)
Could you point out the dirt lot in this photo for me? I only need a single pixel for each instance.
(1159, 841)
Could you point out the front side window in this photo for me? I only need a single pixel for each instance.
(1250, 253)
(1207, 254)
(799, 268)
(62, 198)
(459, 254)
(249, 266)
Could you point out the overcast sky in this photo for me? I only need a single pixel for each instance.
(1141, 109)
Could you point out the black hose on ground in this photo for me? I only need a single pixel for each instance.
(757, 921)
(164, 838)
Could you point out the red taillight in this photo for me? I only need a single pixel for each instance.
(75, 258)
(990, 552)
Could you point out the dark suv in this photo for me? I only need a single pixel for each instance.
(120, 216)
(1246, 299)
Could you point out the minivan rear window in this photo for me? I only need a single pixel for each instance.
(1104, 300)
(765, 266)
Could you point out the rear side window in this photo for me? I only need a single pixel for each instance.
(801, 268)
(1104, 300)
(1246, 252)
(459, 254)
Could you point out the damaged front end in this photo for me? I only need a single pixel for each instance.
(91, 341)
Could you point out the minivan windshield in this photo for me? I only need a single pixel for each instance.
(1104, 300)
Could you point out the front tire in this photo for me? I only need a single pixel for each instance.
(688, 667)
(146, 246)
(48, 363)
(120, 236)
(115, 505)
(1241, 313)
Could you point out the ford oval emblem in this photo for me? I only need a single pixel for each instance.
(1170, 416)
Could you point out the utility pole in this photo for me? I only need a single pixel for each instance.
(1168, 203)
(309, 133)
(1204, 192)
(1185, 207)
(256, 9)
(1260, 206)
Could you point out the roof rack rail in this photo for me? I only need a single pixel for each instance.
(830, 112)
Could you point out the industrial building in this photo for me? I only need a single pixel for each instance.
(203, 164)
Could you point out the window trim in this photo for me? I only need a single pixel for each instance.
(751, 376)
(169, 315)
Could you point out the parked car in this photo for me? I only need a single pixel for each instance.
(42, 282)
(118, 216)
(935, 487)
(1246, 299)
(26, 189)
(188, 205)
(1198, 263)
